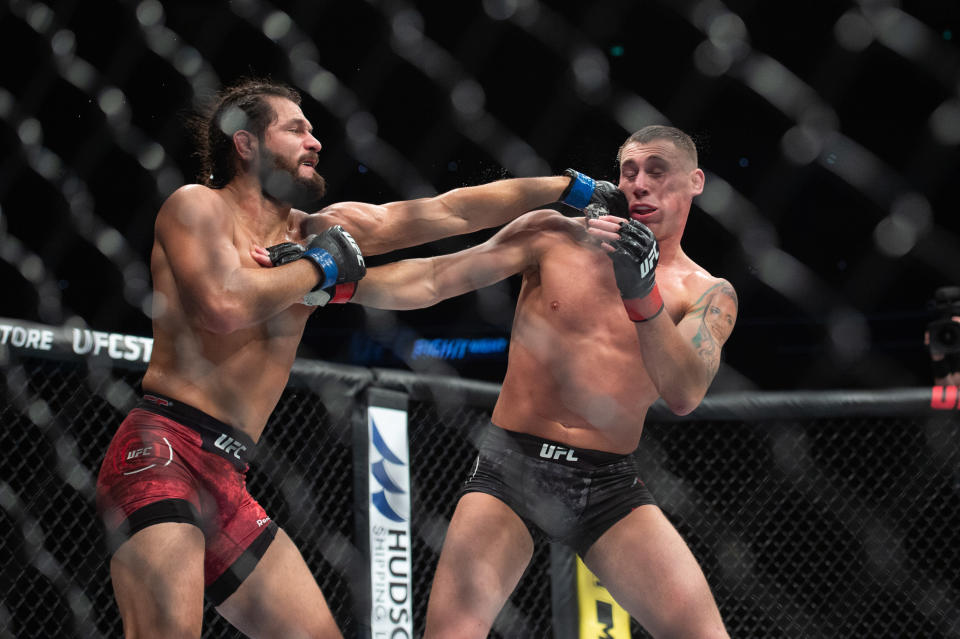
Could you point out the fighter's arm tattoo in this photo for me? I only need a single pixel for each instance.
(717, 310)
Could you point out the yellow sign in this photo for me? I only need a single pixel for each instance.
(600, 616)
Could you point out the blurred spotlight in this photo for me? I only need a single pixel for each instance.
(853, 32)
(716, 197)
(849, 334)
(149, 13)
(362, 128)
(633, 113)
(407, 26)
(31, 268)
(727, 31)
(188, 61)
(902, 32)
(169, 180)
(500, 9)
(47, 164)
(136, 283)
(894, 237)
(39, 17)
(111, 101)
(521, 160)
(801, 145)
(63, 42)
(322, 86)
(109, 241)
(232, 119)
(945, 122)
(468, 98)
(616, 50)
(591, 73)
(910, 218)
(915, 208)
(711, 60)
(154, 305)
(277, 25)
(151, 156)
(30, 132)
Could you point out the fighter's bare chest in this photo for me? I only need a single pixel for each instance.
(576, 275)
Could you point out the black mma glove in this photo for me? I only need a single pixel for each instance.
(337, 258)
(634, 265)
(594, 198)
(284, 253)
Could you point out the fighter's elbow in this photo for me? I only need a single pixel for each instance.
(220, 316)
(684, 402)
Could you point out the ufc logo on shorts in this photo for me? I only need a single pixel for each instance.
(229, 445)
(552, 451)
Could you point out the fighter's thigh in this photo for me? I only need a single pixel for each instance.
(486, 549)
(280, 598)
(157, 578)
(649, 569)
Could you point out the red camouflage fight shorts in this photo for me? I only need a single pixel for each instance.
(169, 462)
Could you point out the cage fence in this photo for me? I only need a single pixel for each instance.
(813, 514)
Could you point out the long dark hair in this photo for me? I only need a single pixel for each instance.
(239, 106)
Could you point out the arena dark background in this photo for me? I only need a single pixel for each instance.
(829, 132)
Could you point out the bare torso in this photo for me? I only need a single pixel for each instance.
(575, 373)
(236, 377)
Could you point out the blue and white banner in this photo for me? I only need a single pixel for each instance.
(391, 614)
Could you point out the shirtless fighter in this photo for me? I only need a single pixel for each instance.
(592, 348)
(171, 488)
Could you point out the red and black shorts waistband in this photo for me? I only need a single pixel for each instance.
(219, 438)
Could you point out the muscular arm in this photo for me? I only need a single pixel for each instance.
(418, 283)
(683, 359)
(387, 227)
(195, 239)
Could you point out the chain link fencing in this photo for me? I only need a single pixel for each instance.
(812, 515)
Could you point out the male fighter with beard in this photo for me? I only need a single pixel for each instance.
(171, 488)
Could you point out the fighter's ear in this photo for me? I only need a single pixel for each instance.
(245, 143)
(696, 181)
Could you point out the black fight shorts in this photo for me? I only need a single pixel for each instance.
(566, 495)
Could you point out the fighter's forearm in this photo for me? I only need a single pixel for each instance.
(384, 228)
(497, 203)
(680, 368)
(418, 283)
(248, 296)
(398, 286)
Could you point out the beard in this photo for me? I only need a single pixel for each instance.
(280, 181)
